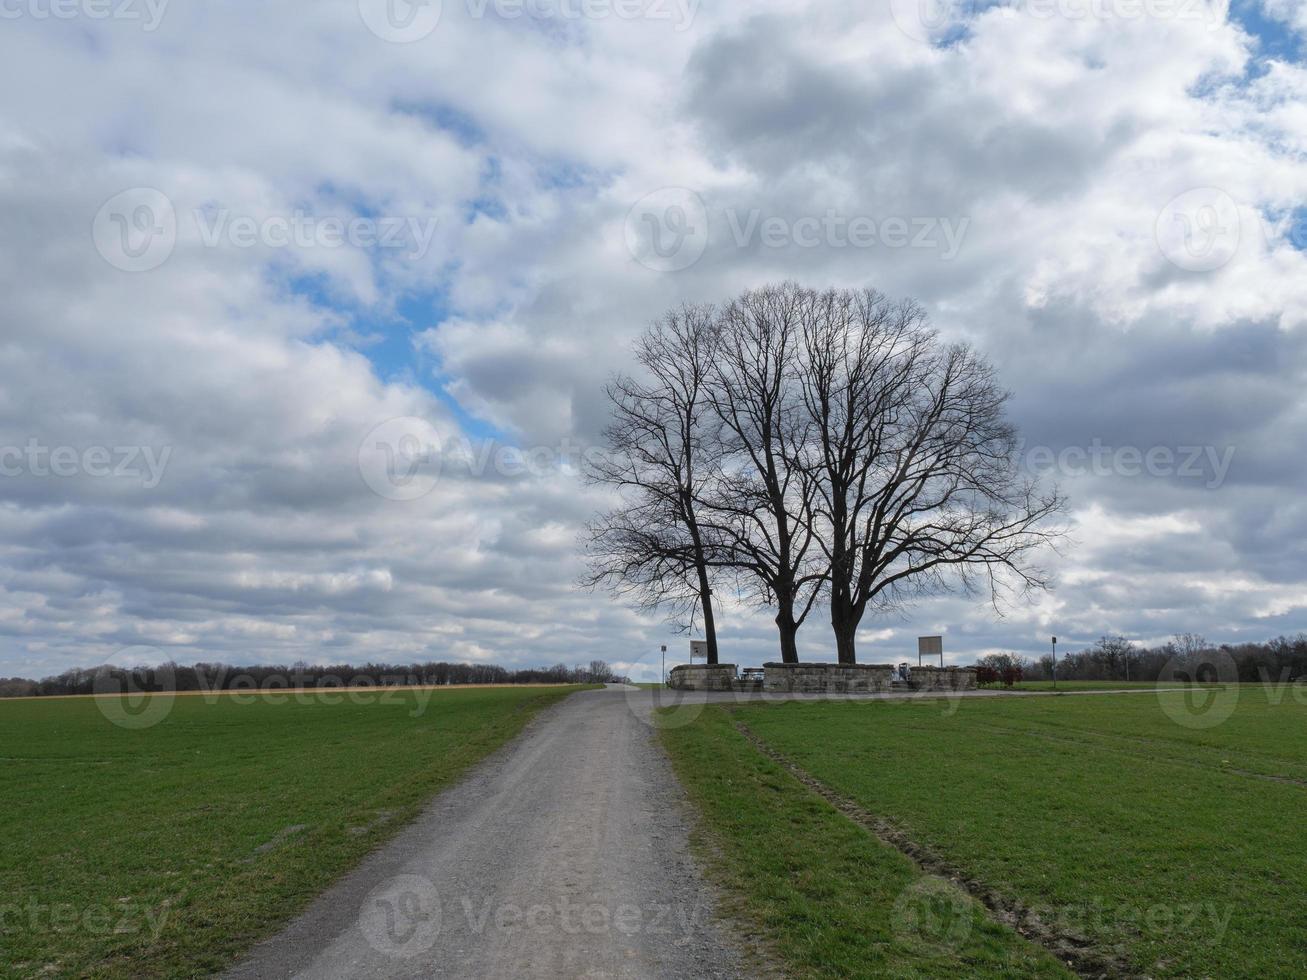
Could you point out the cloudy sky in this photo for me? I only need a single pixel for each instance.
(241, 240)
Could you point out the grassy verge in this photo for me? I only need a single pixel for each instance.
(1091, 685)
(1115, 819)
(168, 850)
(827, 896)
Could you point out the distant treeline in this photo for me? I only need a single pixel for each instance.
(224, 677)
(1185, 657)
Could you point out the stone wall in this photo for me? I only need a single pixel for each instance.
(701, 677)
(821, 678)
(826, 678)
(943, 678)
(862, 679)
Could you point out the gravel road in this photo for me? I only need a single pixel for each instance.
(564, 855)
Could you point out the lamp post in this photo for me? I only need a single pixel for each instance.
(1055, 663)
(664, 677)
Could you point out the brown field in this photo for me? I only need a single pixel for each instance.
(282, 691)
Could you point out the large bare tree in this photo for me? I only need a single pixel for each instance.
(919, 487)
(812, 444)
(760, 509)
(662, 460)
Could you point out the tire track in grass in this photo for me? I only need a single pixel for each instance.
(1088, 742)
(1078, 952)
(1274, 765)
(1119, 743)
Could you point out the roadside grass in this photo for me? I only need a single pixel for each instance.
(1093, 685)
(167, 851)
(828, 898)
(1174, 848)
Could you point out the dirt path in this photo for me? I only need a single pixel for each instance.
(563, 855)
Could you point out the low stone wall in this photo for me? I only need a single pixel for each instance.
(701, 677)
(943, 678)
(862, 679)
(826, 678)
(821, 678)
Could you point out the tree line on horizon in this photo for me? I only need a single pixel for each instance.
(225, 677)
(1185, 657)
(807, 450)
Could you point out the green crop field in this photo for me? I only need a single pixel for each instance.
(167, 850)
(1110, 828)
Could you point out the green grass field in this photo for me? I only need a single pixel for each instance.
(1106, 822)
(170, 849)
(1090, 685)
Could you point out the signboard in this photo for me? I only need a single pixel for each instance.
(698, 650)
(930, 646)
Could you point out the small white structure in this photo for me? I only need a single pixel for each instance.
(698, 650)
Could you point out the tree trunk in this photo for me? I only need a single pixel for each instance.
(709, 624)
(843, 617)
(789, 635)
(844, 639)
(701, 569)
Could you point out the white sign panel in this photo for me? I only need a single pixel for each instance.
(698, 650)
(930, 646)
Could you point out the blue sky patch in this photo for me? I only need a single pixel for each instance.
(1275, 38)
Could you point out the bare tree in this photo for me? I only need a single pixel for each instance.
(860, 358)
(662, 459)
(759, 511)
(1190, 646)
(1115, 653)
(918, 485)
(812, 444)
